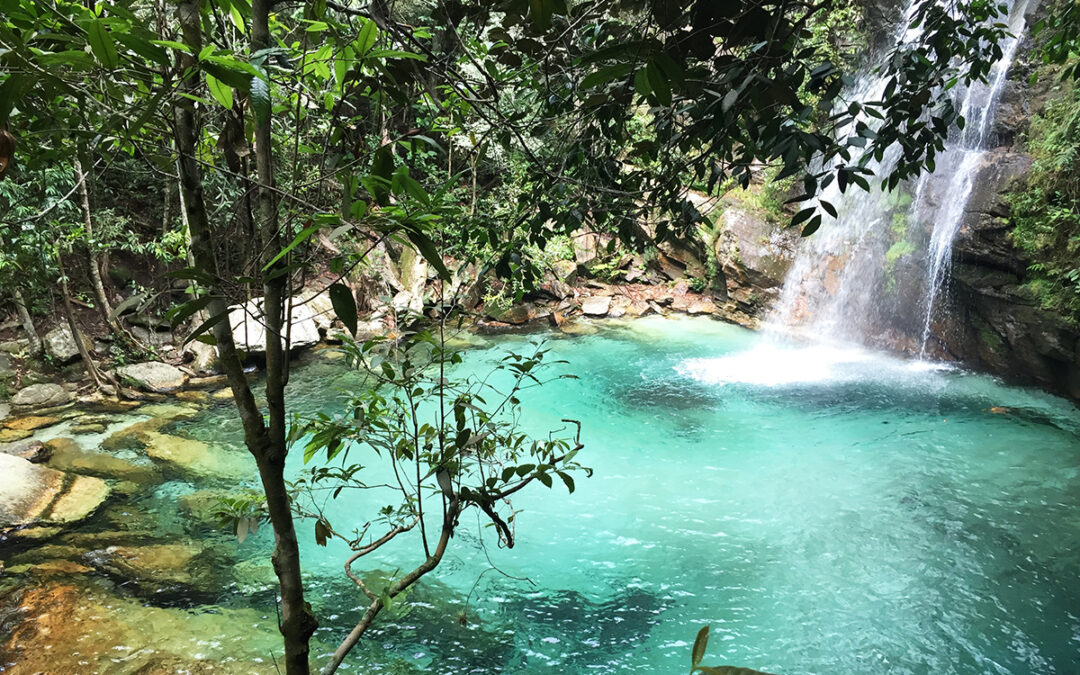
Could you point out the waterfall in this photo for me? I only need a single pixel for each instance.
(875, 274)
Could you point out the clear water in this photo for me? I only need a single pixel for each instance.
(824, 509)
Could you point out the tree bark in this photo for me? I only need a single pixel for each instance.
(27, 321)
(104, 307)
(76, 334)
(266, 442)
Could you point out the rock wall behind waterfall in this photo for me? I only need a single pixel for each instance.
(992, 321)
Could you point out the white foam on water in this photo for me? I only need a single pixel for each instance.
(772, 365)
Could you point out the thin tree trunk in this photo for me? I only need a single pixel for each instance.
(104, 307)
(266, 442)
(76, 334)
(429, 563)
(26, 321)
(297, 621)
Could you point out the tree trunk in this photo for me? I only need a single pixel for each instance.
(104, 307)
(27, 322)
(76, 334)
(297, 621)
(266, 442)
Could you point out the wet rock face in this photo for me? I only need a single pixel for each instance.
(991, 321)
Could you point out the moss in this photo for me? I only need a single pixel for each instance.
(1046, 210)
(898, 250)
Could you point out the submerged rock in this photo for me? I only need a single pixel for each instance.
(194, 457)
(88, 428)
(153, 376)
(134, 437)
(157, 568)
(169, 411)
(41, 396)
(193, 397)
(31, 493)
(67, 455)
(77, 626)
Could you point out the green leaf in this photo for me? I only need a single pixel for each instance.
(142, 47)
(812, 226)
(427, 248)
(641, 83)
(171, 44)
(567, 480)
(344, 306)
(180, 314)
(260, 99)
(102, 44)
(605, 75)
(130, 303)
(659, 83)
(365, 40)
(304, 235)
(221, 92)
(205, 326)
(698, 652)
(802, 216)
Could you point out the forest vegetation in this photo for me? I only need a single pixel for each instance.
(163, 163)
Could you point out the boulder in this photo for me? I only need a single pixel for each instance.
(202, 358)
(67, 455)
(31, 493)
(5, 410)
(31, 450)
(153, 376)
(521, 313)
(41, 396)
(249, 328)
(6, 371)
(31, 422)
(321, 308)
(60, 346)
(14, 346)
(596, 305)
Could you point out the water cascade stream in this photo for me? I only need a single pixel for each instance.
(875, 274)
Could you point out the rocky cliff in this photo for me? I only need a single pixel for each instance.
(994, 321)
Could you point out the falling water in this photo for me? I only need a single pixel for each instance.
(874, 275)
